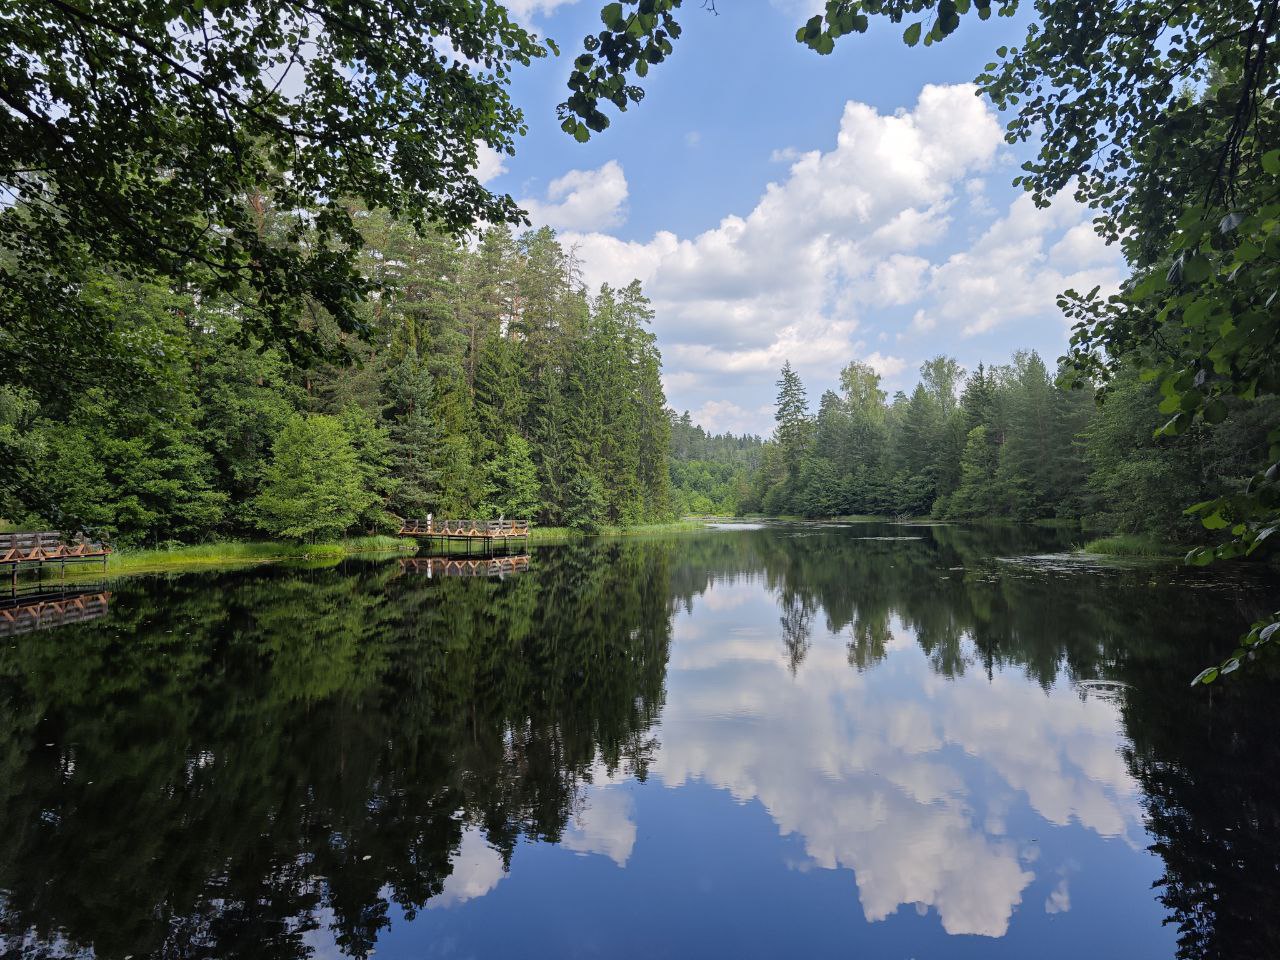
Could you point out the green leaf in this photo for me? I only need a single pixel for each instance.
(948, 20)
(1271, 162)
(911, 36)
(1215, 411)
(1199, 557)
(1215, 521)
(1207, 675)
(1195, 269)
(611, 16)
(1175, 427)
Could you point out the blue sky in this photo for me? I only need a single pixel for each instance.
(781, 205)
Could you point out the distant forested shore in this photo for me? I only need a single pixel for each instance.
(1001, 442)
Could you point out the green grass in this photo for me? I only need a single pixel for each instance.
(235, 553)
(556, 534)
(241, 553)
(1131, 545)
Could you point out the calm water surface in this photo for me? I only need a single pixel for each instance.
(871, 741)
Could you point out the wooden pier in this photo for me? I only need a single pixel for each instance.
(484, 531)
(47, 547)
(462, 566)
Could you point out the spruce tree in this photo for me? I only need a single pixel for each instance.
(414, 436)
(513, 477)
(792, 431)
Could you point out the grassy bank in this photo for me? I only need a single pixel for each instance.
(1132, 545)
(558, 534)
(236, 553)
(242, 553)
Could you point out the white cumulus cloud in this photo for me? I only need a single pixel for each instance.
(490, 164)
(889, 231)
(582, 200)
(525, 11)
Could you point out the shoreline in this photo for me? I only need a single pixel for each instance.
(235, 553)
(242, 553)
(228, 554)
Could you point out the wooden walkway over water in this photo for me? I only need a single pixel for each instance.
(484, 531)
(37, 549)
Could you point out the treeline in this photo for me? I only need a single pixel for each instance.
(1001, 442)
(485, 381)
(710, 473)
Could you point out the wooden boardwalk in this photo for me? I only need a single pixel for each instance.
(40, 548)
(485, 531)
(497, 566)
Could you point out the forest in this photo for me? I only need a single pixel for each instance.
(1008, 442)
(211, 281)
(485, 381)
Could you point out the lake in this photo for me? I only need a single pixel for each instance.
(866, 740)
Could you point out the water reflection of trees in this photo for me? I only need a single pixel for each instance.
(226, 760)
(1207, 762)
(229, 758)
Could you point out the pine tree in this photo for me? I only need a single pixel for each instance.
(978, 399)
(792, 432)
(586, 503)
(977, 494)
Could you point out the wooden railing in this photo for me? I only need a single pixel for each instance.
(47, 546)
(465, 529)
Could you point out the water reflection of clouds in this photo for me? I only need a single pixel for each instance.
(873, 770)
(476, 868)
(603, 825)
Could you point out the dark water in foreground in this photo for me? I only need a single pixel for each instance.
(869, 741)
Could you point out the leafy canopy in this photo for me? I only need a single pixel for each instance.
(315, 487)
(154, 137)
